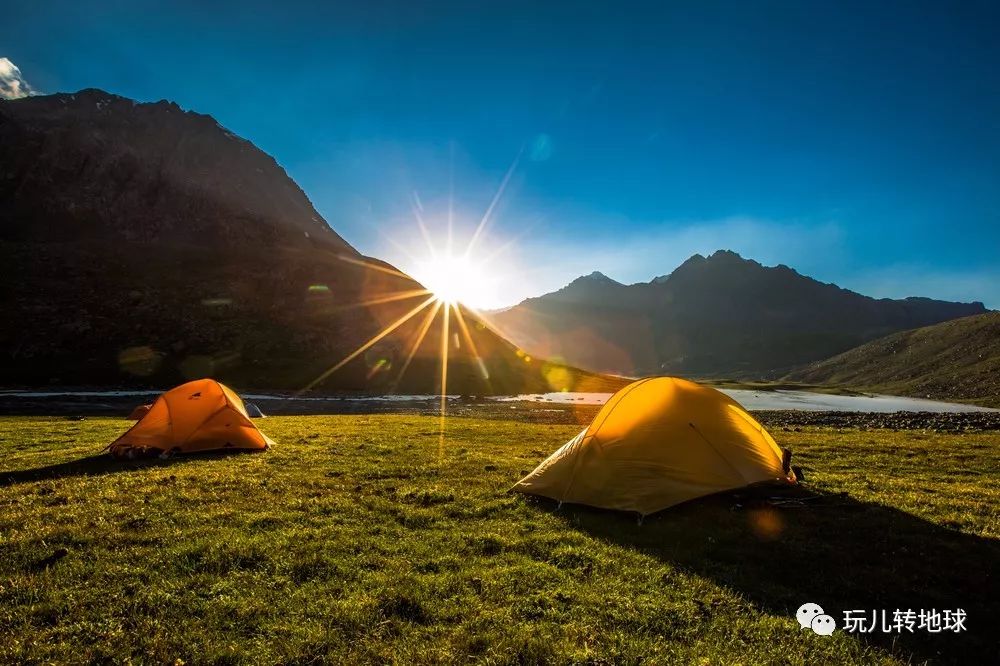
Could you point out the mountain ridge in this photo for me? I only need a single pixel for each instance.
(712, 316)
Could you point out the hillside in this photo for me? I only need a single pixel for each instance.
(721, 315)
(954, 360)
(151, 245)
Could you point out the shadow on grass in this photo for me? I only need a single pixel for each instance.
(101, 464)
(835, 551)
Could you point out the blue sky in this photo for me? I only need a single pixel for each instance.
(857, 142)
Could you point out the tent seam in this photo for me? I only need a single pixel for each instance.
(577, 461)
(202, 424)
(718, 453)
(229, 403)
(628, 389)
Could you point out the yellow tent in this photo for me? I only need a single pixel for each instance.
(656, 443)
(202, 415)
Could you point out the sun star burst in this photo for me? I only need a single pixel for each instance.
(451, 281)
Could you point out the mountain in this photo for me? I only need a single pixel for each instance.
(953, 360)
(146, 245)
(98, 167)
(721, 315)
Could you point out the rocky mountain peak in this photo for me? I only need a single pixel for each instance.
(598, 276)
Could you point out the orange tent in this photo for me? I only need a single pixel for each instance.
(656, 443)
(139, 412)
(202, 415)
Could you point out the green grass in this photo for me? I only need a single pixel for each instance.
(347, 543)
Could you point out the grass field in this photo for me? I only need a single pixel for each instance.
(352, 542)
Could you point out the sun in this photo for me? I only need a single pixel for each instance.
(450, 283)
(456, 279)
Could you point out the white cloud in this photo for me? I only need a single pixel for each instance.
(12, 84)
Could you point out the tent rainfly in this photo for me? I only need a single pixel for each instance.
(202, 415)
(659, 442)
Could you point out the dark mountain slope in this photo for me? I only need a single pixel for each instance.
(721, 315)
(953, 360)
(99, 167)
(144, 245)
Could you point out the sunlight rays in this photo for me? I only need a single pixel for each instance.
(378, 336)
(456, 279)
(423, 230)
(418, 339)
(450, 280)
(372, 266)
(484, 319)
(388, 298)
(444, 379)
(493, 204)
(472, 345)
